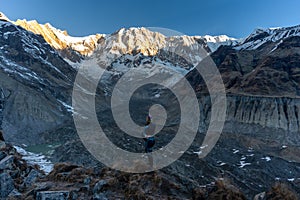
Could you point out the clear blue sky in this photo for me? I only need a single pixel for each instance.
(236, 18)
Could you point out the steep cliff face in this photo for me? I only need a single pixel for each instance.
(272, 117)
(35, 85)
(272, 112)
(27, 114)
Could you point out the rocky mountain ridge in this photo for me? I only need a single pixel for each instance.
(260, 36)
(123, 41)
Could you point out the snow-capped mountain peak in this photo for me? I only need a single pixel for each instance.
(134, 40)
(214, 42)
(219, 38)
(261, 36)
(148, 43)
(3, 17)
(59, 39)
(125, 40)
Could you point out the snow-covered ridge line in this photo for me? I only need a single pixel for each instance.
(218, 38)
(124, 38)
(3, 17)
(59, 39)
(262, 35)
(214, 42)
(148, 42)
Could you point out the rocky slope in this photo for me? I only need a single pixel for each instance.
(262, 83)
(20, 180)
(35, 85)
(15, 174)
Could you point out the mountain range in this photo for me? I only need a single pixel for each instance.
(261, 74)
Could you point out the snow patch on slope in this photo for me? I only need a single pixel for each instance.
(33, 158)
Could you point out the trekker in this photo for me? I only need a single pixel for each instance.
(1, 136)
(148, 134)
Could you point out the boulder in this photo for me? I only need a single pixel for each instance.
(2, 155)
(31, 178)
(260, 196)
(2, 144)
(6, 185)
(58, 195)
(15, 194)
(6, 163)
(98, 186)
(100, 196)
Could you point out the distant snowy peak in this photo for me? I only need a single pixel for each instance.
(150, 42)
(142, 40)
(59, 39)
(145, 41)
(134, 40)
(261, 36)
(3, 17)
(214, 42)
(216, 39)
(123, 41)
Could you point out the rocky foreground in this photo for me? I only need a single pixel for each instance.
(20, 180)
